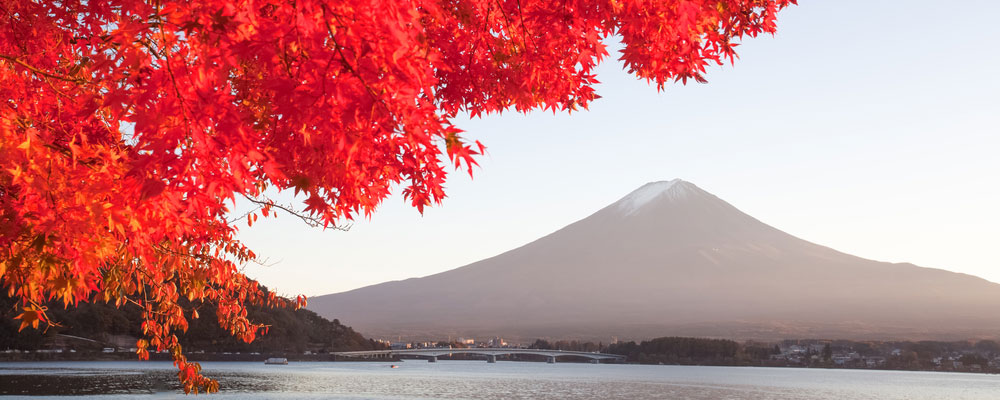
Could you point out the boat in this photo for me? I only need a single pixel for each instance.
(393, 366)
(276, 361)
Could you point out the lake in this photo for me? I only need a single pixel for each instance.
(480, 380)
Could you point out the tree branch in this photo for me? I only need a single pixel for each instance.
(41, 72)
(308, 219)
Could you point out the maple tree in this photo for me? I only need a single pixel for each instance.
(130, 127)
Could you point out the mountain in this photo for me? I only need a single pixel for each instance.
(672, 259)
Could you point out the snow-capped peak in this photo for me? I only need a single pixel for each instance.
(640, 197)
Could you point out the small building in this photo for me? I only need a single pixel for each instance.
(875, 362)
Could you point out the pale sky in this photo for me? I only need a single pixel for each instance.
(868, 126)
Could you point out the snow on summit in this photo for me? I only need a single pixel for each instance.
(640, 197)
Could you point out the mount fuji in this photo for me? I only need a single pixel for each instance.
(672, 259)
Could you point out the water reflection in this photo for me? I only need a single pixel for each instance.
(83, 382)
(479, 380)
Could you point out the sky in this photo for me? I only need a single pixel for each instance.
(872, 127)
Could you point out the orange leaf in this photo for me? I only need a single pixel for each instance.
(30, 317)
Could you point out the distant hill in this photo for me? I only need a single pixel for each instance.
(293, 331)
(672, 259)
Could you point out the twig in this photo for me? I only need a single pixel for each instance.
(41, 72)
(309, 220)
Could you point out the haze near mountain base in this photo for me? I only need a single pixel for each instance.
(672, 259)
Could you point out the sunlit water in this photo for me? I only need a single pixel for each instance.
(479, 380)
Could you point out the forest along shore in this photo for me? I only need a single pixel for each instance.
(99, 331)
(102, 332)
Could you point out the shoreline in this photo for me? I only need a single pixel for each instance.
(196, 357)
(259, 358)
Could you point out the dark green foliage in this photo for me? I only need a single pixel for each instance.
(988, 346)
(679, 350)
(923, 355)
(757, 352)
(291, 331)
(974, 359)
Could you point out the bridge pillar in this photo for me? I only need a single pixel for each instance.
(491, 359)
(432, 359)
(551, 360)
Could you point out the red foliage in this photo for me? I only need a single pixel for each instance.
(127, 125)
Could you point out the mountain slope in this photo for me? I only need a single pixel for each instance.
(670, 258)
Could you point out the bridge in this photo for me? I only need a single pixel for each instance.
(432, 353)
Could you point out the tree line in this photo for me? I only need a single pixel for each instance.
(289, 331)
(982, 355)
(670, 350)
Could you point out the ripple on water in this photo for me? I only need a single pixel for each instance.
(503, 380)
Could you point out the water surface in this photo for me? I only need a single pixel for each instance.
(479, 380)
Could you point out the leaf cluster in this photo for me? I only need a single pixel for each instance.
(128, 128)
